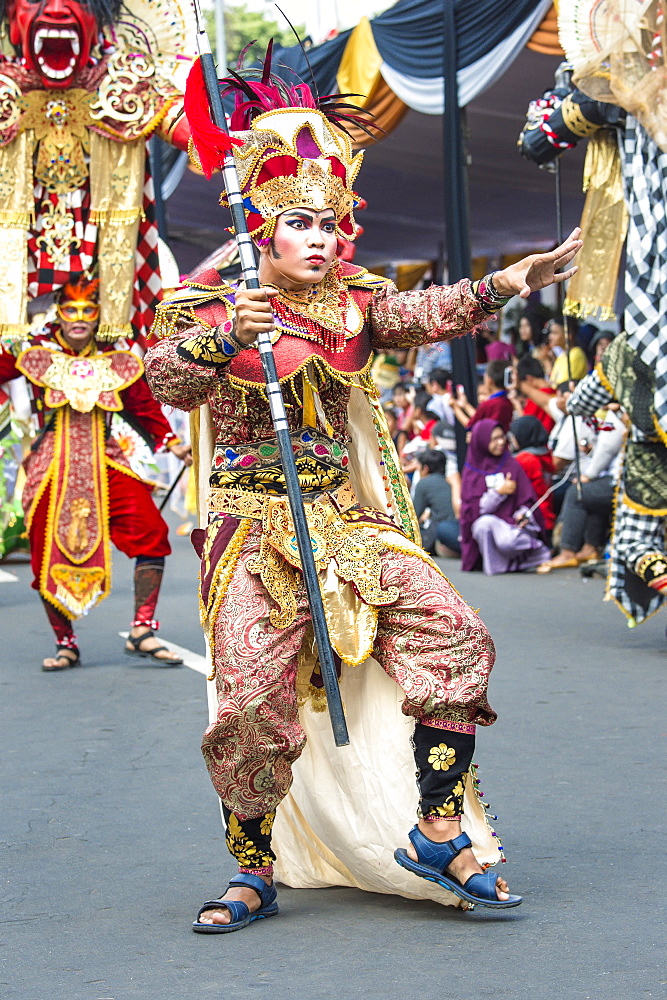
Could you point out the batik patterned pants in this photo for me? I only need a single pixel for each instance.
(429, 641)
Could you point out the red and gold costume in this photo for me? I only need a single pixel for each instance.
(80, 492)
(387, 605)
(383, 595)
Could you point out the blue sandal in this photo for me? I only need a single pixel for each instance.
(240, 914)
(434, 859)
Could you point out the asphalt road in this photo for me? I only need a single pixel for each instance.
(111, 836)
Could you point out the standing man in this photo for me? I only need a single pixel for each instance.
(80, 493)
(383, 594)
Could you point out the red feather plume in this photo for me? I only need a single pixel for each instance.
(212, 143)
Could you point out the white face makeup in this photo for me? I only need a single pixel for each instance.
(302, 249)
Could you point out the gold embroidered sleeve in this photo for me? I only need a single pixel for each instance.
(209, 348)
(408, 319)
(176, 378)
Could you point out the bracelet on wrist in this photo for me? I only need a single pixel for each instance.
(487, 296)
(226, 338)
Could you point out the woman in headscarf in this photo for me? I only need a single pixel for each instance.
(529, 440)
(496, 525)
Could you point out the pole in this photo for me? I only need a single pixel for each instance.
(276, 403)
(155, 156)
(566, 322)
(457, 223)
(172, 488)
(220, 34)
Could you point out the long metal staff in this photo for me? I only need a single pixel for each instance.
(275, 397)
(566, 321)
(172, 488)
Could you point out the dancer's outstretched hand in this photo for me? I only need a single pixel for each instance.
(539, 269)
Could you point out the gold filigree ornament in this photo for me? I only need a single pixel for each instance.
(315, 185)
(310, 180)
(82, 379)
(10, 110)
(355, 551)
(58, 238)
(60, 125)
(120, 96)
(78, 537)
(327, 304)
(166, 29)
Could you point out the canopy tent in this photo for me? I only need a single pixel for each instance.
(512, 202)
(402, 48)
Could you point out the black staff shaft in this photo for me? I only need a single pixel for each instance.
(171, 489)
(278, 414)
(566, 323)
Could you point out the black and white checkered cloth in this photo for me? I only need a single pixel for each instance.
(634, 536)
(645, 175)
(589, 395)
(634, 533)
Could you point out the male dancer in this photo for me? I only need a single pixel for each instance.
(80, 492)
(383, 594)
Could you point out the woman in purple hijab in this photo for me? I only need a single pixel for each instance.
(496, 496)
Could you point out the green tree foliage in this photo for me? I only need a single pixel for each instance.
(243, 26)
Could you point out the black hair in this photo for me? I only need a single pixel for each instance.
(434, 461)
(422, 399)
(528, 365)
(496, 372)
(441, 376)
(534, 327)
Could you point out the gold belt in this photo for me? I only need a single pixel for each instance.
(246, 503)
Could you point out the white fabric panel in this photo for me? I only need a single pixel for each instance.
(427, 95)
(350, 807)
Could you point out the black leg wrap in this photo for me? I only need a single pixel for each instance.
(249, 840)
(442, 758)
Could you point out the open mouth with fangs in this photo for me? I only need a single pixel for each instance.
(56, 51)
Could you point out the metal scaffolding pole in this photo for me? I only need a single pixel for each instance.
(459, 263)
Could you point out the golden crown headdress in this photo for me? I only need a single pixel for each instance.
(290, 147)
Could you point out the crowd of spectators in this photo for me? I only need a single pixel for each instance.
(536, 490)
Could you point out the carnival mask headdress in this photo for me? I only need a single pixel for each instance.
(290, 146)
(79, 301)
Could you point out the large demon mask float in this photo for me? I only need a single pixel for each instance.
(87, 83)
(55, 38)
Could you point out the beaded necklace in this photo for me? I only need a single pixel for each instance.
(318, 313)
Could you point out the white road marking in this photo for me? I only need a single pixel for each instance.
(6, 577)
(190, 659)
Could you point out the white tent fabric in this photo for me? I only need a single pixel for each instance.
(427, 96)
